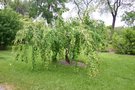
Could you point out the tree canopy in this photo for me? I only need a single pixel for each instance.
(50, 9)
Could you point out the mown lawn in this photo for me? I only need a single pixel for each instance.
(117, 72)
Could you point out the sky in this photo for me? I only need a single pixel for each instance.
(107, 18)
(1, 6)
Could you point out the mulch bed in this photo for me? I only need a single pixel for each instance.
(73, 63)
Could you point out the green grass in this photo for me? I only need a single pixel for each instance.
(117, 72)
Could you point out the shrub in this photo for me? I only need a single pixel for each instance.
(124, 42)
(9, 25)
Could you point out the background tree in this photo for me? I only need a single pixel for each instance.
(9, 25)
(113, 6)
(20, 6)
(50, 9)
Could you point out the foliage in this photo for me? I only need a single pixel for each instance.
(65, 40)
(9, 24)
(100, 34)
(125, 42)
(50, 8)
(129, 18)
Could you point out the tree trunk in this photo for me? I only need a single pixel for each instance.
(66, 56)
(2, 47)
(54, 57)
(113, 26)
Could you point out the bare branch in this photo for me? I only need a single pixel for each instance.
(109, 4)
(87, 2)
(118, 4)
(83, 7)
(78, 9)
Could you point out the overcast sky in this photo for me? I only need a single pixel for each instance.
(107, 18)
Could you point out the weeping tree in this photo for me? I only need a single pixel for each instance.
(65, 41)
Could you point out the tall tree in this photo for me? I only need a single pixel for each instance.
(113, 6)
(50, 9)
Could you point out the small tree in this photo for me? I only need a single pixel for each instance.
(65, 41)
(9, 25)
